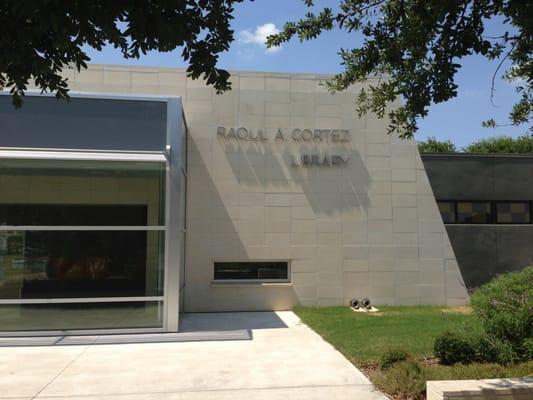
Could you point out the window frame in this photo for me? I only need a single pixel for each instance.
(103, 157)
(249, 281)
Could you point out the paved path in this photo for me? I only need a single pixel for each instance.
(284, 360)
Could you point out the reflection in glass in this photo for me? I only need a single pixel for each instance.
(513, 212)
(62, 264)
(56, 192)
(22, 317)
(49, 250)
(473, 212)
(73, 214)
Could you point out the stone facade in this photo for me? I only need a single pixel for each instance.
(369, 227)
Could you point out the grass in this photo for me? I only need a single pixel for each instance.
(363, 338)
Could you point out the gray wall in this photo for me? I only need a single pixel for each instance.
(83, 123)
(484, 251)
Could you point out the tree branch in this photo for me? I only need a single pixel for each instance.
(493, 80)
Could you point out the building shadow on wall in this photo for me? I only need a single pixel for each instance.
(330, 190)
(212, 234)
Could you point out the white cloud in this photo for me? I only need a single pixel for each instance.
(259, 36)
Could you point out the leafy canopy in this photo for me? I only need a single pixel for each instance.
(502, 144)
(413, 48)
(40, 38)
(498, 144)
(432, 145)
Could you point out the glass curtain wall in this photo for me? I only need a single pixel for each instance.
(81, 244)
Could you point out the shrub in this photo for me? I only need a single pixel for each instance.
(392, 357)
(404, 380)
(504, 332)
(505, 309)
(503, 352)
(483, 349)
(407, 379)
(452, 348)
(528, 347)
(478, 371)
(467, 347)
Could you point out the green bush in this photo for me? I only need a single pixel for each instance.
(505, 308)
(478, 371)
(404, 380)
(407, 379)
(528, 345)
(392, 357)
(467, 347)
(452, 348)
(504, 333)
(486, 348)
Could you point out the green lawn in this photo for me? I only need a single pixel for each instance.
(364, 337)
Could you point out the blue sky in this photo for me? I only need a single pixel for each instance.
(458, 120)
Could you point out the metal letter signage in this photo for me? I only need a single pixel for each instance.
(241, 133)
(326, 160)
(297, 135)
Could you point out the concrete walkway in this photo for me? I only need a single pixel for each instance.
(283, 360)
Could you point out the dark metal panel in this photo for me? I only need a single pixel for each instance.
(513, 178)
(484, 252)
(460, 178)
(83, 123)
(479, 177)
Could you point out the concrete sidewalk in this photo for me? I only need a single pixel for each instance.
(283, 360)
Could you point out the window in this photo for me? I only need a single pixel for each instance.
(513, 212)
(76, 233)
(38, 264)
(252, 271)
(486, 212)
(447, 211)
(82, 315)
(473, 212)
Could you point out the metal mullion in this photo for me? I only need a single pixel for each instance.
(81, 228)
(166, 282)
(72, 332)
(81, 155)
(69, 300)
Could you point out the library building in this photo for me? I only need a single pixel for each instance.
(148, 195)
